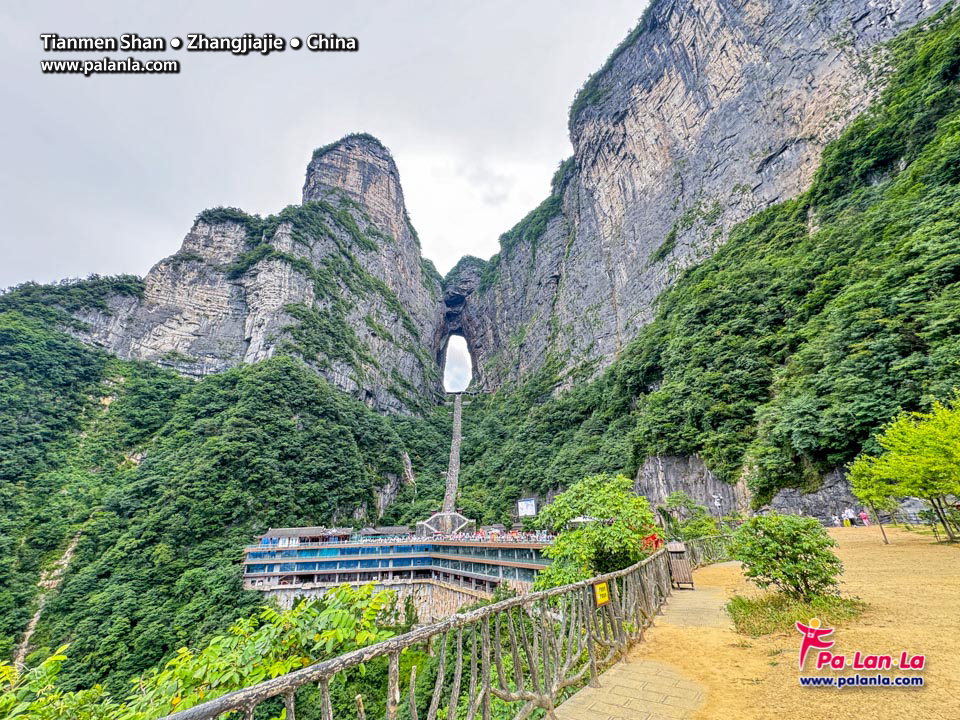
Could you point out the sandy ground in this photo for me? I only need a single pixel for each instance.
(913, 590)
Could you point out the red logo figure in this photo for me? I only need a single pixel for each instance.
(813, 636)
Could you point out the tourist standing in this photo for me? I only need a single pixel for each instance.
(849, 517)
(864, 518)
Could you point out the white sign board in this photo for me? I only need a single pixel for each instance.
(527, 507)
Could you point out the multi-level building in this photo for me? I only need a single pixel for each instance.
(311, 557)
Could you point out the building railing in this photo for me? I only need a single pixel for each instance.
(470, 539)
(522, 654)
(488, 560)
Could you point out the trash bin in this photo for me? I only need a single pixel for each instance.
(680, 572)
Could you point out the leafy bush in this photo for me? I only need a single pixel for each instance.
(612, 539)
(685, 519)
(789, 552)
(256, 648)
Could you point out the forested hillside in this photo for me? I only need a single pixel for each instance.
(780, 356)
(165, 479)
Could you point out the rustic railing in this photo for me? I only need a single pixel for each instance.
(522, 654)
(707, 550)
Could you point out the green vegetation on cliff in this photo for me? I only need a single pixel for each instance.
(527, 232)
(322, 332)
(780, 357)
(593, 90)
(365, 137)
(165, 479)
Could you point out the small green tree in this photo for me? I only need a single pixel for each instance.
(611, 538)
(692, 520)
(791, 552)
(875, 493)
(921, 458)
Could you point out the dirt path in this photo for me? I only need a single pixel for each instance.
(50, 580)
(913, 588)
(644, 688)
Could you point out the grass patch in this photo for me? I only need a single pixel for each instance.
(773, 613)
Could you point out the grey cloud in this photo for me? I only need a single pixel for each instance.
(104, 174)
(493, 187)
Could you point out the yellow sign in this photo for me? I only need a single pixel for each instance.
(601, 592)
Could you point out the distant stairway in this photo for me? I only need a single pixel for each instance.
(448, 520)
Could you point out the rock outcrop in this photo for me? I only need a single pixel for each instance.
(710, 111)
(833, 495)
(661, 476)
(338, 280)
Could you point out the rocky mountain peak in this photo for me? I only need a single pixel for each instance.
(362, 168)
(338, 281)
(708, 112)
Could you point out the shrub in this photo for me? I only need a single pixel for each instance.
(614, 538)
(790, 552)
(685, 519)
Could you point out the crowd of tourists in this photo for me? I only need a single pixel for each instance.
(850, 516)
(483, 535)
(497, 536)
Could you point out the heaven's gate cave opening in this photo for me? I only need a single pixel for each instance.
(457, 365)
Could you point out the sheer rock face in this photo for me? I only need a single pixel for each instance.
(662, 475)
(347, 262)
(713, 111)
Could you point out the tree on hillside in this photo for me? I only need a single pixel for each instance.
(256, 648)
(685, 519)
(602, 526)
(921, 458)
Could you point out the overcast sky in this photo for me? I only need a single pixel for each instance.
(105, 174)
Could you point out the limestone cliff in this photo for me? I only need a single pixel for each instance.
(338, 280)
(708, 112)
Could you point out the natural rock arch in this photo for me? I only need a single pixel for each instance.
(458, 286)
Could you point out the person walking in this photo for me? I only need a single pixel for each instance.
(864, 518)
(849, 517)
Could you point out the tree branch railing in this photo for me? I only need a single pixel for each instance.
(522, 654)
(708, 550)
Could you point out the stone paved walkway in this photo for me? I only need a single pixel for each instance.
(644, 689)
(696, 608)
